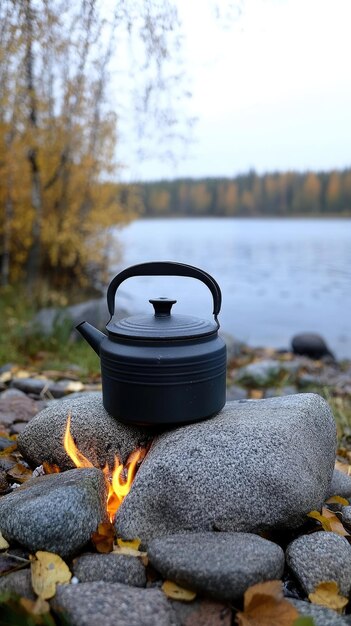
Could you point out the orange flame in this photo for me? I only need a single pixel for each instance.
(118, 482)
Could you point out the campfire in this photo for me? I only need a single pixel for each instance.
(119, 479)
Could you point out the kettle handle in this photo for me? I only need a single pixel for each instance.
(165, 268)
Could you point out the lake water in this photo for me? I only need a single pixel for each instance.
(278, 277)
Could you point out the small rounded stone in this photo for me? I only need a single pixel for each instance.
(220, 565)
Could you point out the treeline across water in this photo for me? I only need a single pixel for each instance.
(276, 194)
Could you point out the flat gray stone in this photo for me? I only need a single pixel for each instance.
(113, 604)
(17, 408)
(19, 583)
(321, 556)
(258, 464)
(94, 311)
(340, 485)
(98, 435)
(320, 614)
(57, 513)
(219, 565)
(42, 387)
(113, 568)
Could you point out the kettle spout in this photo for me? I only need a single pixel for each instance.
(93, 336)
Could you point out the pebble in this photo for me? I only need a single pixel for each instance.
(14, 408)
(113, 604)
(311, 345)
(346, 515)
(55, 513)
(219, 565)
(18, 583)
(321, 556)
(321, 615)
(340, 485)
(113, 568)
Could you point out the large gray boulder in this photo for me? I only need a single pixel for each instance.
(259, 464)
(94, 311)
(322, 556)
(98, 435)
(113, 604)
(311, 345)
(55, 513)
(219, 565)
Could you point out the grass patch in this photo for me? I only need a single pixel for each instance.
(21, 345)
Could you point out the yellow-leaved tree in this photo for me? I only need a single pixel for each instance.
(58, 132)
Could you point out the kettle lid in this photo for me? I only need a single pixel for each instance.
(162, 325)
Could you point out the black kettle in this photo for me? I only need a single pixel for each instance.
(161, 368)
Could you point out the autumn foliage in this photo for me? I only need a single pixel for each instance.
(57, 142)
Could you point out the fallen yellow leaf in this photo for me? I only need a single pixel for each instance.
(20, 473)
(329, 521)
(48, 569)
(3, 543)
(123, 549)
(74, 386)
(327, 594)
(174, 591)
(265, 605)
(134, 543)
(104, 537)
(337, 500)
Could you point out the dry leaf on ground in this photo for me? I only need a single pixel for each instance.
(337, 500)
(265, 605)
(48, 569)
(329, 521)
(74, 385)
(104, 537)
(3, 543)
(133, 543)
(131, 548)
(327, 594)
(174, 591)
(20, 473)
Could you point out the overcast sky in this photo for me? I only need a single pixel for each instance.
(271, 92)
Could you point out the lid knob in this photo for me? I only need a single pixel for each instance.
(162, 306)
